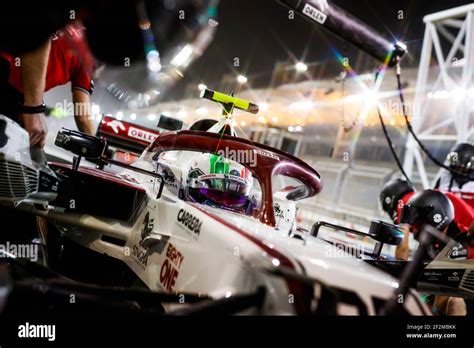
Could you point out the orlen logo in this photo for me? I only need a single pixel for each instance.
(141, 134)
(314, 13)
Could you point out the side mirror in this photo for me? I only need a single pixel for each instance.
(299, 192)
(379, 231)
(93, 148)
(385, 233)
(80, 144)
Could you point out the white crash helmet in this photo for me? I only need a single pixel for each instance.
(219, 182)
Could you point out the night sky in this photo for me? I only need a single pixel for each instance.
(259, 33)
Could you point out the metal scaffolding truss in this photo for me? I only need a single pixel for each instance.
(460, 58)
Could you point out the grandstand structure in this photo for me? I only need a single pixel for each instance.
(445, 73)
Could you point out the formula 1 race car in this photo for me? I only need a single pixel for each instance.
(206, 215)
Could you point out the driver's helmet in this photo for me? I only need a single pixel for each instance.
(219, 182)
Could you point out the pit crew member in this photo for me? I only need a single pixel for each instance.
(461, 159)
(68, 60)
(393, 196)
(450, 215)
(23, 82)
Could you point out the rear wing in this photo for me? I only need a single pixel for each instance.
(125, 135)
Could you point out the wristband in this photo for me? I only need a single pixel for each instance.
(39, 109)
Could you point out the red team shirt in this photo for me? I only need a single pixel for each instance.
(463, 212)
(69, 61)
(463, 216)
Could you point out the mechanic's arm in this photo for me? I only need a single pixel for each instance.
(450, 306)
(34, 66)
(402, 251)
(81, 102)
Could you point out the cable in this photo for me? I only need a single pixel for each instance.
(390, 145)
(410, 129)
(389, 140)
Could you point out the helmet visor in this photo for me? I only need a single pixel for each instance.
(222, 199)
(221, 190)
(459, 162)
(411, 214)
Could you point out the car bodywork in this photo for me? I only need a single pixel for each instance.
(177, 246)
(126, 141)
(451, 273)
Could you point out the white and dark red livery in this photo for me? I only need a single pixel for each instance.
(143, 219)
